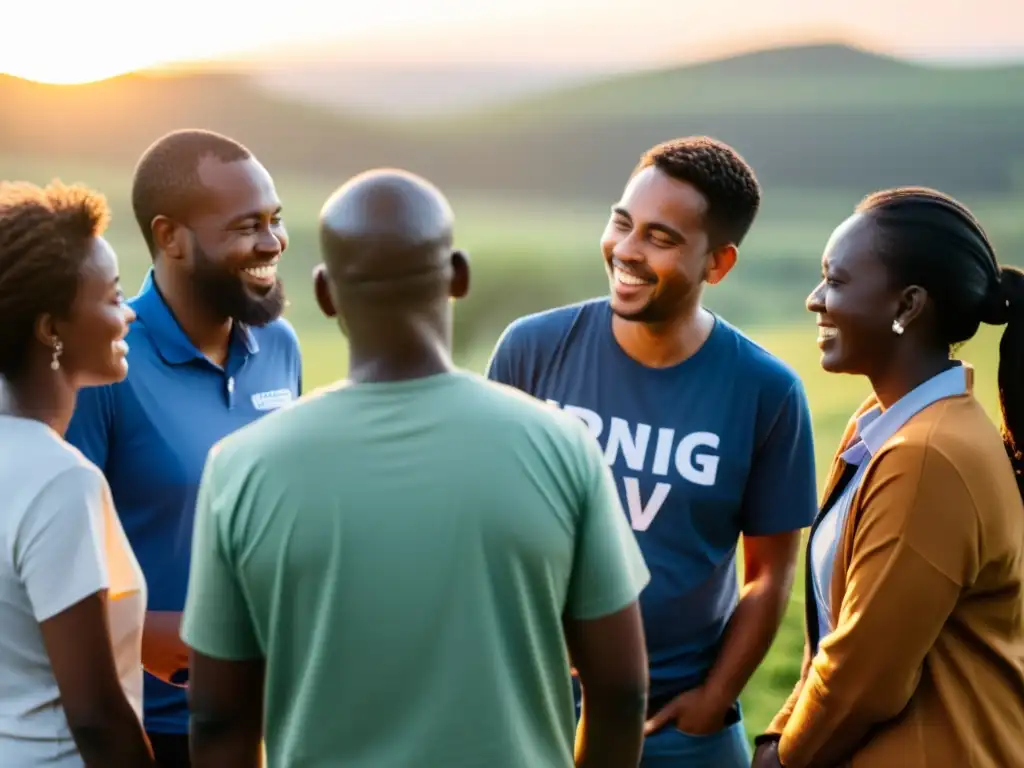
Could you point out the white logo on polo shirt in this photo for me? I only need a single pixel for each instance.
(272, 400)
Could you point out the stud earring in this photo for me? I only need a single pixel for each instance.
(897, 327)
(58, 349)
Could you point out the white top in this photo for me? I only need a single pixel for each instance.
(60, 541)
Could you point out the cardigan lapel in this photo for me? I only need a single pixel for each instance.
(839, 475)
(844, 552)
(838, 465)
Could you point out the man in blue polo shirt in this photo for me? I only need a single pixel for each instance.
(708, 436)
(209, 354)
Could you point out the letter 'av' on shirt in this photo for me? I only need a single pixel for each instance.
(403, 555)
(60, 542)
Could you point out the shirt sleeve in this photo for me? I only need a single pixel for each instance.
(59, 552)
(216, 621)
(914, 549)
(91, 424)
(781, 493)
(503, 366)
(609, 571)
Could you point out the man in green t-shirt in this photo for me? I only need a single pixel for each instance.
(394, 571)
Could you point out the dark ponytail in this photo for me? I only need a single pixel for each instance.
(1008, 307)
(932, 240)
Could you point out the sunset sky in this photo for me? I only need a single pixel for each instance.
(70, 41)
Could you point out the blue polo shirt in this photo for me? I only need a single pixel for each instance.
(151, 433)
(702, 452)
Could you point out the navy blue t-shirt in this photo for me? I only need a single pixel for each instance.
(151, 433)
(717, 446)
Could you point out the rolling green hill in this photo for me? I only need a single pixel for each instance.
(113, 121)
(804, 80)
(817, 116)
(532, 181)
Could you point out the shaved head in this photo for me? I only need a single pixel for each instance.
(384, 229)
(389, 269)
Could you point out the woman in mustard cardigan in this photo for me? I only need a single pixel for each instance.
(915, 603)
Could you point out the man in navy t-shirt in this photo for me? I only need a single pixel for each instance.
(209, 353)
(708, 436)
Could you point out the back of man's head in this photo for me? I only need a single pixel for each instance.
(167, 175)
(386, 236)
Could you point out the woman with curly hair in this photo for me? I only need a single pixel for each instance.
(72, 596)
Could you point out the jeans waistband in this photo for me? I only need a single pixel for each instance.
(656, 703)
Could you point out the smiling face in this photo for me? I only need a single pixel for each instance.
(236, 238)
(656, 248)
(855, 302)
(92, 334)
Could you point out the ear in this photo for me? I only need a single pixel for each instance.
(720, 263)
(322, 291)
(912, 302)
(167, 237)
(460, 275)
(46, 330)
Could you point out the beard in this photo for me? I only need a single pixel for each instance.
(226, 294)
(663, 306)
(652, 312)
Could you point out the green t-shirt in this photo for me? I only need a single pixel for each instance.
(402, 554)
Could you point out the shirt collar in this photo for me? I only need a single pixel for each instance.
(171, 342)
(875, 426)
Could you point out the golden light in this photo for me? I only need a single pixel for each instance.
(103, 39)
(67, 42)
(73, 67)
(57, 74)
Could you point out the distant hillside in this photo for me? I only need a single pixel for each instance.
(115, 120)
(809, 79)
(405, 90)
(822, 116)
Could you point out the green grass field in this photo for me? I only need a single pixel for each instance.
(532, 254)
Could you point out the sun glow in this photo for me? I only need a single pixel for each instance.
(67, 41)
(55, 73)
(77, 60)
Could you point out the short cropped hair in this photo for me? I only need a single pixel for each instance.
(719, 173)
(167, 173)
(45, 235)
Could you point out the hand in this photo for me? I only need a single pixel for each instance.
(692, 712)
(163, 651)
(767, 756)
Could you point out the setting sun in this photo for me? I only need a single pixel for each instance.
(58, 73)
(94, 41)
(73, 61)
(67, 43)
